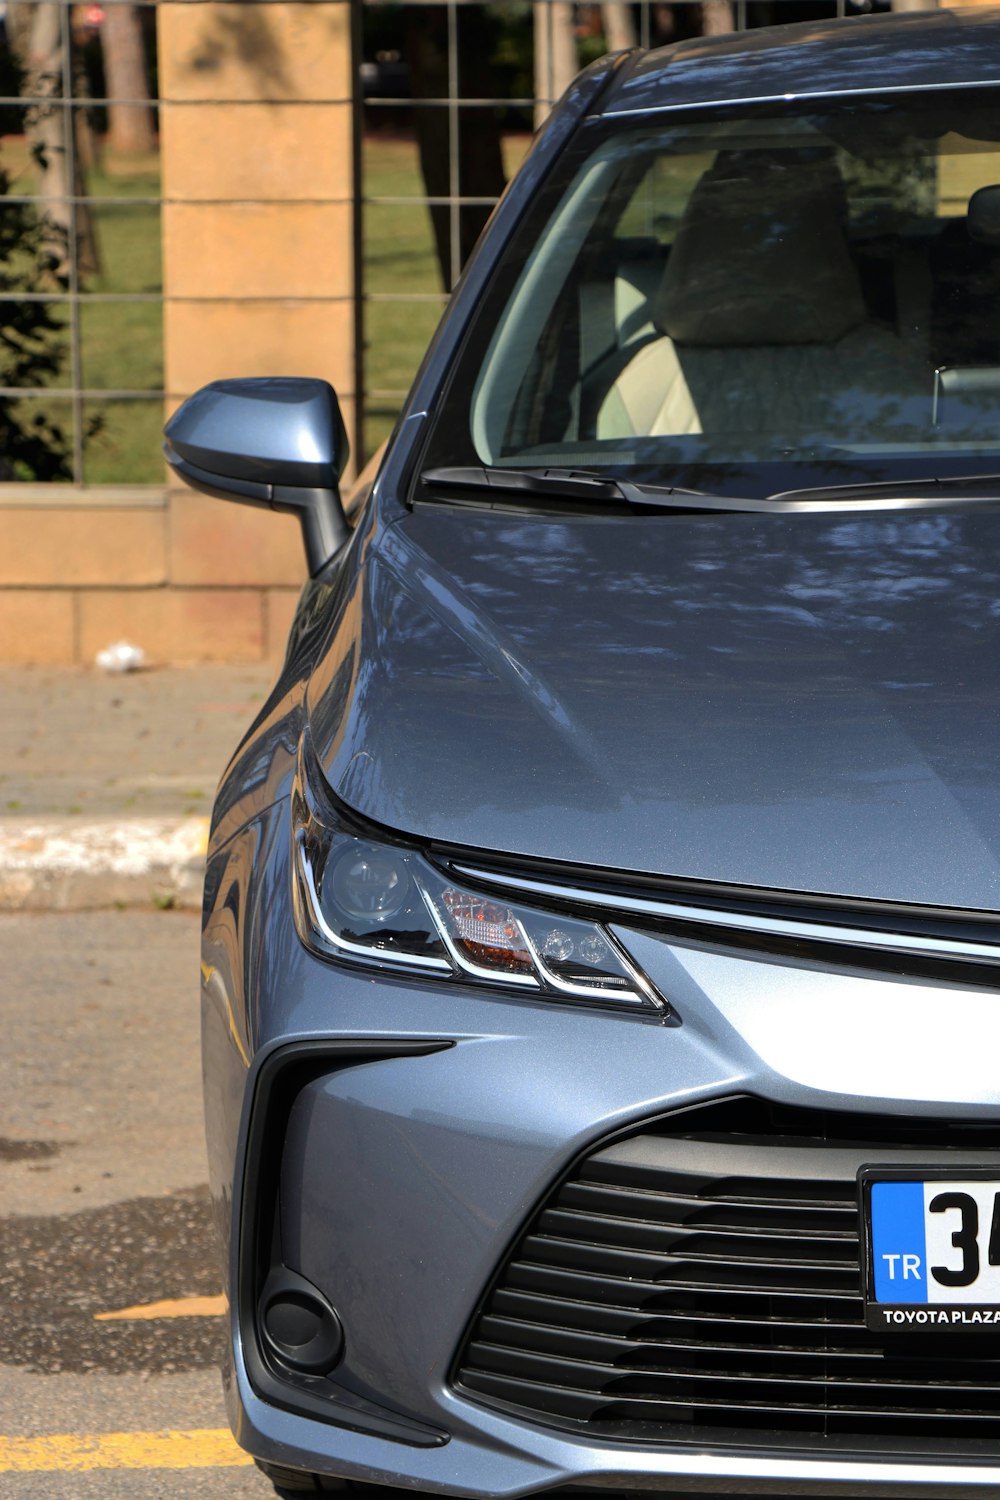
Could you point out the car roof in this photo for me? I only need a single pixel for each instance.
(857, 55)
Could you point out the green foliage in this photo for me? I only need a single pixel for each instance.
(32, 352)
(121, 344)
(32, 334)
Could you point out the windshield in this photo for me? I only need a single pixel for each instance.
(750, 302)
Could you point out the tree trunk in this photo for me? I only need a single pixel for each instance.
(556, 62)
(130, 126)
(478, 158)
(50, 130)
(45, 123)
(717, 17)
(619, 27)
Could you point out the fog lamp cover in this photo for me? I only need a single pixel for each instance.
(298, 1327)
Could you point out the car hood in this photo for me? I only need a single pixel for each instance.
(793, 702)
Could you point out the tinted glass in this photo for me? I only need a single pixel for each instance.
(753, 302)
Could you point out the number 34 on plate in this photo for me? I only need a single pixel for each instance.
(933, 1244)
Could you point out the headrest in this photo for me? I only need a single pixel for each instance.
(983, 216)
(761, 255)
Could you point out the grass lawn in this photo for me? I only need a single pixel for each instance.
(399, 260)
(122, 343)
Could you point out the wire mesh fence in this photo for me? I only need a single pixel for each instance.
(446, 98)
(81, 373)
(450, 96)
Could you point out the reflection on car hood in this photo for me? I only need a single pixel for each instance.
(796, 702)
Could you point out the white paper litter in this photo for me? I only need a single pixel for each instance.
(121, 657)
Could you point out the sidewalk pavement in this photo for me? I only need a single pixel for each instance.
(106, 782)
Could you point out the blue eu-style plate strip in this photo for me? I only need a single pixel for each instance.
(899, 1245)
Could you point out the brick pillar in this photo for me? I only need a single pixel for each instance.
(256, 136)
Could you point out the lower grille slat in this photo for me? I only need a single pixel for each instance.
(560, 1312)
(675, 1208)
(705, 1275)
(598, 1376)
(656, 1350)
(698, 1272)
(587, 1284)
(557, 1399)
(689, 1237)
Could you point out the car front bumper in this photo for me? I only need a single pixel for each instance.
(404, 1180)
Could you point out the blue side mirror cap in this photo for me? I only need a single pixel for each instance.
(278, 442)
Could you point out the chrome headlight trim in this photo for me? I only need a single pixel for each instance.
(720, 918)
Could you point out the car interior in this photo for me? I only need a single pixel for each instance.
(783, 293)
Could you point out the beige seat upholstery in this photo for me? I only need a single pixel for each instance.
(758, 293)
(650, 396)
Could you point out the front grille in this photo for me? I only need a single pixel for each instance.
(701, 1282)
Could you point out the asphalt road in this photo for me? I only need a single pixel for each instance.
(103, 1209)
(147, 744)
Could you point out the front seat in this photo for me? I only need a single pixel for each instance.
(759, 285)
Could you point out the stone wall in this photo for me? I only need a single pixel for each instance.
(257, 229)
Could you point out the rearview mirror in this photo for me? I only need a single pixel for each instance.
(279, 443)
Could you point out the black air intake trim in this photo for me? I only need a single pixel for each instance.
(699, 1282)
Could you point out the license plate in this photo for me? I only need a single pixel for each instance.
(931, 1249)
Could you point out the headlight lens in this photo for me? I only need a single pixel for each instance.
(369, 883)
(369, 900)
(360, 900)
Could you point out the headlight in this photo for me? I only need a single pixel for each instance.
(375, 900)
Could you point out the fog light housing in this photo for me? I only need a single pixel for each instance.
(297, 1324)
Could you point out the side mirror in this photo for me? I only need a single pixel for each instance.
(278, 443)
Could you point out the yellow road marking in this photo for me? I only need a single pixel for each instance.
(182, 1307)
(68, 1452)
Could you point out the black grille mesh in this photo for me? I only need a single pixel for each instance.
(705, 1275)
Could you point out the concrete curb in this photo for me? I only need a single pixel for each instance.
(77, 865)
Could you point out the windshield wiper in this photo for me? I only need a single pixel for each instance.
(903, 491)
(580, 484)
(588, 484)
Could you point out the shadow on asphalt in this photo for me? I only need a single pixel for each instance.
(57, 1272)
